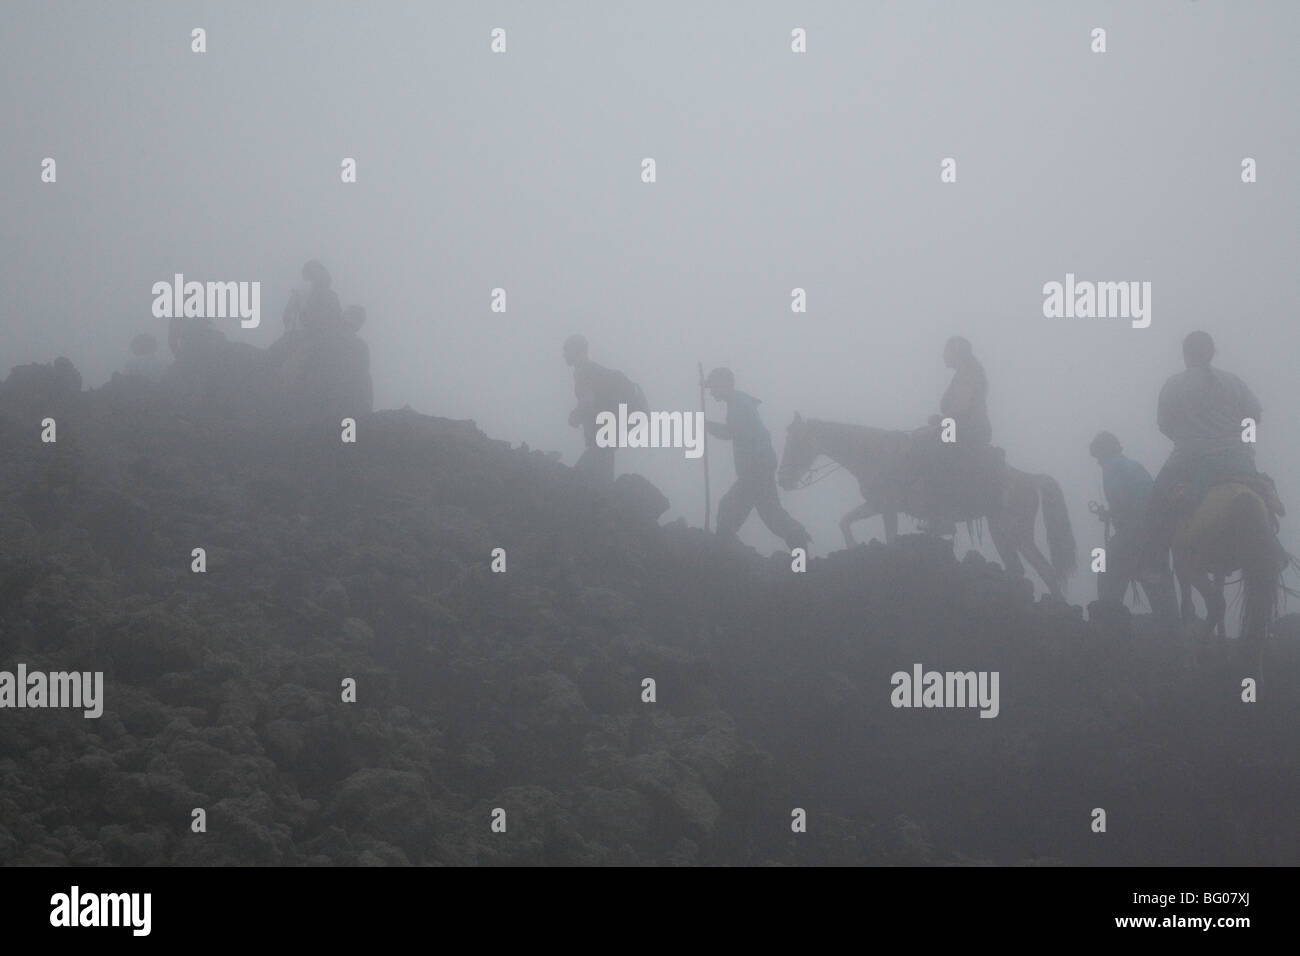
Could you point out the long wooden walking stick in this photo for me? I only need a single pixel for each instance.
(704, 447)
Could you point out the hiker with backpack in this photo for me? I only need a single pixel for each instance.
(598, 389)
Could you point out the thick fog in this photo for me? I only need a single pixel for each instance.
(775, 170)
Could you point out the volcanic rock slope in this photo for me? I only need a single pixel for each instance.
(523, 691)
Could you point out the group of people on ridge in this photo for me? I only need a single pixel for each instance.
(1204, 411)
(598, 389)
(318, 369)
(953, 465)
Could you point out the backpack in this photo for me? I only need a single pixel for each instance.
(615, 388)
(639, 402)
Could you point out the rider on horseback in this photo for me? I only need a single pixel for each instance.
(944, 471)
(1202, 410)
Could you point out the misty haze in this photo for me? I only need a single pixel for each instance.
(615, 434)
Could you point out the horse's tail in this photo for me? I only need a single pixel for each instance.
(1061, 548)
(1264, 565)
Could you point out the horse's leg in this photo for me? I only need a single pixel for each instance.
(1038, 561)
(1257, 593)
(891, 525)
(1251, 641)
(1261, 565)
(1005, 544)
(1022, 503)
(1186, 608)
(1200, 581)
(864, 510)
(1216, 608)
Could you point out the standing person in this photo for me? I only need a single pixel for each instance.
(1201, 409)
(756, 462)
(1127, 487)
(598, 389)
(302, 360)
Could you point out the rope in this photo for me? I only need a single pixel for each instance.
(817, 474)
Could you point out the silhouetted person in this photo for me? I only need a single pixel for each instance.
(1201, 409)
(318, 307)
(598, 389)
(755, 486)
(354, 317)
(942, 468)
(309, 308)
(1127, 487)
(145, 361)
(321, 365)
(965, 400)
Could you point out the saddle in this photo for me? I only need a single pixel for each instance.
(1187, 496)
(957, 484)
(1264, 486)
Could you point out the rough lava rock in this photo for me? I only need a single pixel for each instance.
(522, 691)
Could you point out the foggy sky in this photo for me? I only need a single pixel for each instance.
(775, 170)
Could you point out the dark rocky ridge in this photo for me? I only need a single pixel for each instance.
(522, 690)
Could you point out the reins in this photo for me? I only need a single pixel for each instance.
(816, 474)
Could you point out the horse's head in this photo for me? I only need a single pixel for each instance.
(798, 456)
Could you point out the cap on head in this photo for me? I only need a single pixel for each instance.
(1105, 445)
(1198, 348)
(316, 273)
(720, 378)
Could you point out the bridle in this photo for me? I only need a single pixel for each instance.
(816, 474)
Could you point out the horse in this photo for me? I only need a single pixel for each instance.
(877, 458)
(1232, 529)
